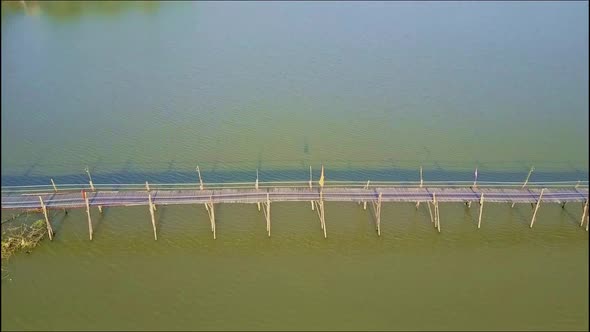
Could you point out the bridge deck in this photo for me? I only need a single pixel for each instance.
(389, 194)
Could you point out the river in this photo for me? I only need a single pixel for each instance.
(145, 91)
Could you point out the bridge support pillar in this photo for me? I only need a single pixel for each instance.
(537, 207)
(436, 212)
(421, 185)
(152, 215)
(366, 187)
(480, 211)
(211, 211)
(430, 212)
(584, 215)
(55, 190)
(147, 187)
(91, 185)
(49, 229)
(54, 187)
(89, 219)
(200, 178)
(266, 208)
(526, 180)
(377, 210)
(310, 187)
(321, 215)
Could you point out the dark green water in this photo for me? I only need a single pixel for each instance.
(145, 91)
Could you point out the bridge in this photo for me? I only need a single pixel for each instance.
(72, 196)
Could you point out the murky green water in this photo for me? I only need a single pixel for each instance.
(145, 91)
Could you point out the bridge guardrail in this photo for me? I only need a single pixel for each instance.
(63, 188)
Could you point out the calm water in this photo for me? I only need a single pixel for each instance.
(146, 90)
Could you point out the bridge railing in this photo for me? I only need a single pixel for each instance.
(65, 188)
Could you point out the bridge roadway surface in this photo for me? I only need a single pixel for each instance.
(112, 198)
